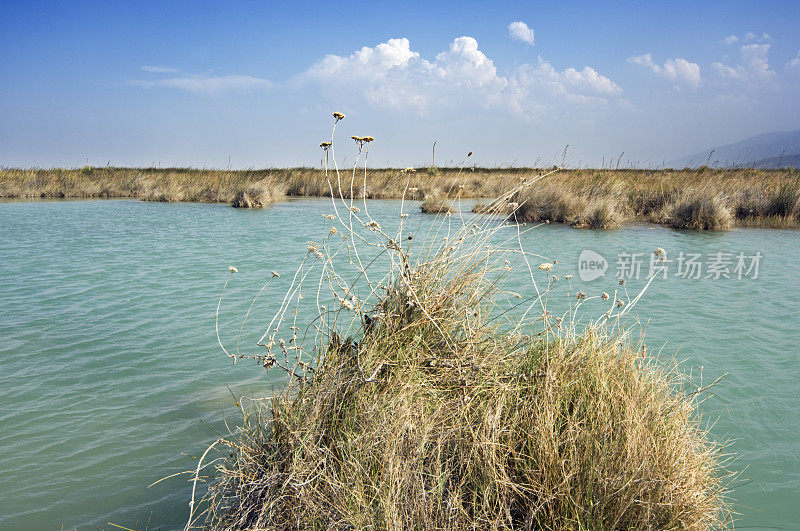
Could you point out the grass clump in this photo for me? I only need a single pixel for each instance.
(256, 196)
(584, 207)
(483, 433)
(701, 211)
(426, 402)
(436, 205)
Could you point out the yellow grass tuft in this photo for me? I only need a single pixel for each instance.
(421, 403)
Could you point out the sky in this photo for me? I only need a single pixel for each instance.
(254, 84)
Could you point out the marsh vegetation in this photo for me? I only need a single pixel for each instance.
(428, 394)
(700, 198)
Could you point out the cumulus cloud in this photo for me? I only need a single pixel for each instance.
(795, 62)
(730, 39)
(678, 71)
(521, 32)
(394, 54)
(464, 64)
(754, 67)
(570, 81)
(392, 75)
(196, 83)
(750, 36)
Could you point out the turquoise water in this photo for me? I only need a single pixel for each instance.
(110, 376)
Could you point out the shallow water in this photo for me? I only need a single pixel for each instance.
(110, 371)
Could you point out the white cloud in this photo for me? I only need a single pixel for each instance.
(728, 72)
(389, 75)
(585, 82)
(678, 71)
(753, 69)
(795, 62)
(730, 39)
(465, 64)
(521, 32)
(537, 86)
(160, 69)
(380, 60)
(392, 75)
(750, 36)
(196, 83)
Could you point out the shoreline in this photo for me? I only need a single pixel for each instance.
(693, 199)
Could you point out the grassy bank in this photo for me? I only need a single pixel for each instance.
(684, 199)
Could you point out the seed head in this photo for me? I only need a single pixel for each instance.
(581, 295)
(567, 277)
(233, 269)
(659, 252)
(546, 266)
(620, 303)
(604, 296)
(326, 145)
(469, 154)
(313, 247)
(275, 274)
(338, 116)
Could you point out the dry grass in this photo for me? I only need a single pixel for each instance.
(490, 434)
(435, 205)
(701, 211)
(582, 198)
(425, 400)
(700, 199)
(257, 195)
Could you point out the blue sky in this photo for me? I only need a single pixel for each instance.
(194, 83)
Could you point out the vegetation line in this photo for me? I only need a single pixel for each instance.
(694, 199)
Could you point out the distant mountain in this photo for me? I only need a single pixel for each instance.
(770, 150)
(779, 162)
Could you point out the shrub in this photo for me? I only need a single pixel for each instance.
(435, 205)
(699, 211)
(256, 196)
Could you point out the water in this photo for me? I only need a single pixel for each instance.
(110, 377)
